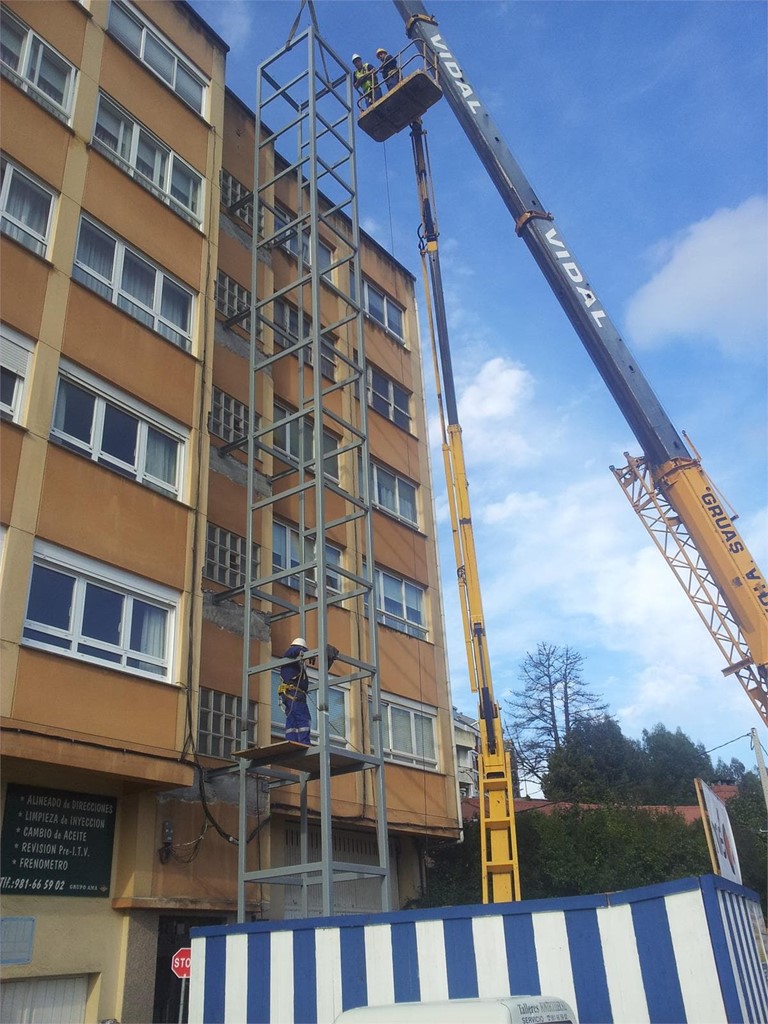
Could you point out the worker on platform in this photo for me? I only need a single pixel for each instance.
(364, 78)
(292, 692)
(388, 69)
(293, 689)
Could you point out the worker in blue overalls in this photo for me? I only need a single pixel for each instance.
(293, 693)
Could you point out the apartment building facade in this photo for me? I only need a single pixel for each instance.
(126, 284)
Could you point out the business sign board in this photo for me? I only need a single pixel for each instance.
(722, 845)
(56, 843)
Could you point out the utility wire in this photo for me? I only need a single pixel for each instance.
(728, 743)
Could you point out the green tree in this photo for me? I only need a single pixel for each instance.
(671, 762)
(551, 701)
(576, 851)
(596, 764)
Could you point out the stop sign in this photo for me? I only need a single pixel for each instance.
(180, 962)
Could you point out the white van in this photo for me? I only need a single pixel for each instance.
(507, 1010)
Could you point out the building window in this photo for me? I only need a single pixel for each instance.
(225, 557)
(229, 416)
(218, 723)
(287, 333)
(285, 438)
(15, 351)
(379, 306)
(124, 277)
(289, 240)
(408, 733)
(235, 193)
(26, 208)
(389, 399)
(400, 604)
(118, 432)
(285, 555)
(394, 493)
(35, 66)
(232, 300)
(94, 612)
(148, 160)
(337, 710)
(159, 55)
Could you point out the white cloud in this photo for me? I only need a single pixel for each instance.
(712, 284)
(232, 20)
(491, 409)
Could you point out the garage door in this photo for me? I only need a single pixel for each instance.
(44, 1000)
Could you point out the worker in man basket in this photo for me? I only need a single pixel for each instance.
(390, 72)
(364, 78)
(292, 691)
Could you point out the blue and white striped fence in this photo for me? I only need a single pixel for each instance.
(685, 951)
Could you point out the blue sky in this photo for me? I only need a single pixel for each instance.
(642, 127)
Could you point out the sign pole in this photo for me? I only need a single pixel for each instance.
(181, 999)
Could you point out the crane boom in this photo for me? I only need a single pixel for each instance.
(674, 471)
(498, 840)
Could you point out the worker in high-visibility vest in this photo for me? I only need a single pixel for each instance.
(364, 77)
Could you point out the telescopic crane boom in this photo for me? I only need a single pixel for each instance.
(668, 488)
(498, 844)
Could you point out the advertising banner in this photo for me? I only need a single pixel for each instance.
(722, 845)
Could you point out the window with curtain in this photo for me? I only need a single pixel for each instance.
(394, 493)
(383, 309)
(36, 67)
(121, 138)
(25, 208)
(93, 612)
(408, 732)
(400, 604)
(337, 710)
(116, 433)
(127, 24)
(389, 398)
(15, 352)
(118, 273)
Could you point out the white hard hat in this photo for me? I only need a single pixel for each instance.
(299, 642)
(356, 56)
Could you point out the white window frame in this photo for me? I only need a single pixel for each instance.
(417, 712)
(376, 473)
(15, 354)
(105, 395)
(229, 416)
(400, 621)
(24, 76)
(291, 445)
(339, 694)
(111, 289)
(225, 557)
(222, 734)
(392, 312)
(65, 640)
(15, 228)
(151, 36)
(286, 549)
(233, 299)
(392, 411)
(131, 134)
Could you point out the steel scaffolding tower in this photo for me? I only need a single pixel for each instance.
(307, 341)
